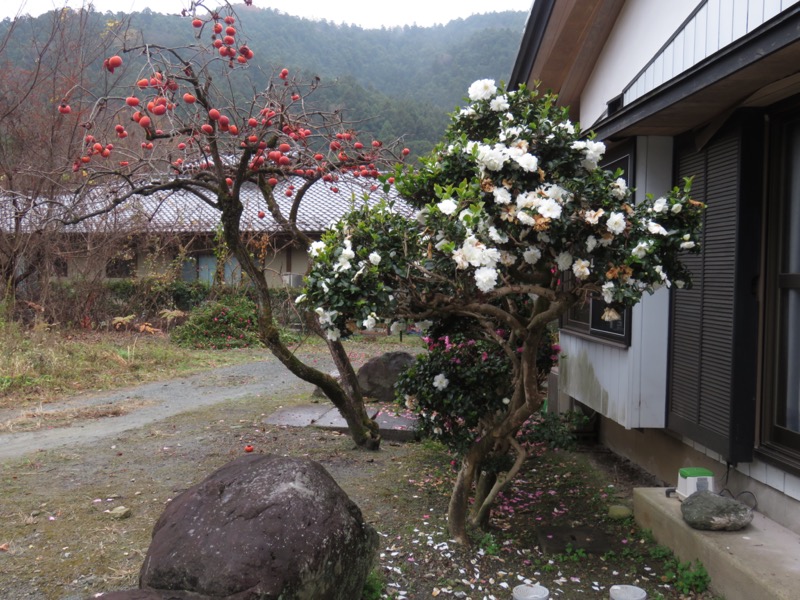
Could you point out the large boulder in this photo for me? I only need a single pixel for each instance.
(263, 527)
(710, 511)
(377, 376)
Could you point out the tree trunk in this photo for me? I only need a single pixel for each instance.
(354, 411)
(459, 499)
(363, 431)
(484, 486)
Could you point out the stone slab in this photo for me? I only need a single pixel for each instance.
(297, 416)
(393, 427)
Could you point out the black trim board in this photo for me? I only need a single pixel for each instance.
(532, 38)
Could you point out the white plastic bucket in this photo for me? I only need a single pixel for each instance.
(527, 591)
(627, 592)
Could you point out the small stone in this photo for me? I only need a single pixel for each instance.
(619, 512)
(712, 512)
(120, 512)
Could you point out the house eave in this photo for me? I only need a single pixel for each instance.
(729, 79)
(561, 44)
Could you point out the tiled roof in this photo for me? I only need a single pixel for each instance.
(182, 211)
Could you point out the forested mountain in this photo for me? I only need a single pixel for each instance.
(399, 81)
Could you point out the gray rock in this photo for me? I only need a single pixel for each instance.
(378, 375)
(709, 511)
(263, 527)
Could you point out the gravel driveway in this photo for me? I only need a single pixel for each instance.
(155, 401)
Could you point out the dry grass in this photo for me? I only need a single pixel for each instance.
(40, 418)
(37, 367)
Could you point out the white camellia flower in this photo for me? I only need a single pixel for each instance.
(592, 152)
(497, 236)
(564, 261)
(374, 258)
(333, 334)
(687, 245)
(525, 218)
(616, 223)
(591, 243)
(300, 299)
(619, 188)
(492, 157)
(528, 200)
(549, 208)
(656, 229)
(448, 206)
(660, 205)
(440, 382)
(528, 162)
(501, 195)
(370, 322)
(483, 89)
(315, 248)
(608, 292)
(581, 268)
(641, 249)
(499, 103)
(676, 208)
(486, 278)
(592, 217)
(532, 255)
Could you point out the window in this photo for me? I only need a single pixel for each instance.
(781, 376)
(121, 267)
(586, 318)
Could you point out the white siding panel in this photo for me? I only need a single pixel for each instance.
(739, 18)
(678, 49)
(688, 45)
(712, 27)
(669, 62)
(771, 8)
(725, 23)
(700, 25)
(755, 14)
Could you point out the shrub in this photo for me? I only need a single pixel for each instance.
(229, 322)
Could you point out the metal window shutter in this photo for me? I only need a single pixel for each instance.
(702, 371)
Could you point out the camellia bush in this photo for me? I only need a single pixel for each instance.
(515, 225)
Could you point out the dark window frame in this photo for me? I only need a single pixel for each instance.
(778, 444)
(585, 319)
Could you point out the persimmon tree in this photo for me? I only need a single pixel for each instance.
(516, 224)
(191, 123)
(40, 58)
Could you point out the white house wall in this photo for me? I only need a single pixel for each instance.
(628, 385)
(628, 50)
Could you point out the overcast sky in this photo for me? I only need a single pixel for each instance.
(365, 13)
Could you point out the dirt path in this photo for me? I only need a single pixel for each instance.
(132, 408)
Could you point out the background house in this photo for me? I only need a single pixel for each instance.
(147, 234)
(711, 90)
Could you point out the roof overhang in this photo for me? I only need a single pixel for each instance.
(758, 69)
(561, 44)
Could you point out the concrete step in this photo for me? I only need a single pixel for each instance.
(762, 561)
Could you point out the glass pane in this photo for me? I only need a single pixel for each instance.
(789, 413)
